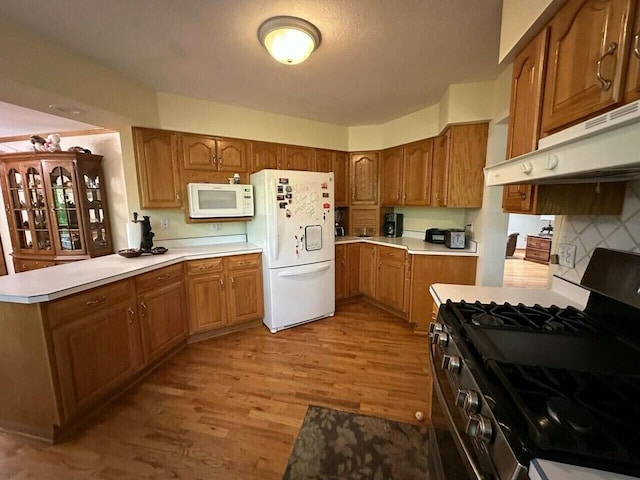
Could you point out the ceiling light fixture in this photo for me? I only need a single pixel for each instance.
(67, 109)
(290, 40)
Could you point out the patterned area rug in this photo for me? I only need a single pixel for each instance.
(335, 445)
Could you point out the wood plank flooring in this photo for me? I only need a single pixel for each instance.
(522, 273)
(231, 407)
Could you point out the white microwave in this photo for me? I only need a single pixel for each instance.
(216, 200)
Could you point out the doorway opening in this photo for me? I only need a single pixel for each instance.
(528, 251)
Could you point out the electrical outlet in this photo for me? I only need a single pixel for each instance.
(216, 227)
(164, 224)
(567, 255)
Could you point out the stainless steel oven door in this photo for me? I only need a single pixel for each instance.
(478, 466)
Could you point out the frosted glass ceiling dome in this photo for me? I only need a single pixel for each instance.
(290, 40)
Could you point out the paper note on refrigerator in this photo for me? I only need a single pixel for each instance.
(313, 237)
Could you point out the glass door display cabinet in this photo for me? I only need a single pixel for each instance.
(56, 207)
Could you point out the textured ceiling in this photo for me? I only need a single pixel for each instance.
(379, 59)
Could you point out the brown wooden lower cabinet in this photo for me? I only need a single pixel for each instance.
(429, 269)
(341, 272)
(368, 269)
(390, 277)
(224, 291)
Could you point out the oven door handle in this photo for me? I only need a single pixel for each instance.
(452, 426)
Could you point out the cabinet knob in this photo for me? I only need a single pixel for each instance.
(233, 283)
(605, 83)
(132, 313)
(636, 45)
(523, 196)
(221, 283)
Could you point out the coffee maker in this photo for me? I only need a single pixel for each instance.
(392, 226)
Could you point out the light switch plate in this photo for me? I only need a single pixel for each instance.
(567, 255)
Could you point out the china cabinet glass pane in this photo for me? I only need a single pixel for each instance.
(96, 211)
(65, 208)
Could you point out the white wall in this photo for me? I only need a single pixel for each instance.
(521, 20)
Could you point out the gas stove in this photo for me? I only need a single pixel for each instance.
(519, 382)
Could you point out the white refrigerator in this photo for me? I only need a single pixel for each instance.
(294, 225)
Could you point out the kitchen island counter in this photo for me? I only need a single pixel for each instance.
(48, 284)
(415, 246)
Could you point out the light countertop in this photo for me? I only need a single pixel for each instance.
(415, 246)
(50, 283)
(561, 293)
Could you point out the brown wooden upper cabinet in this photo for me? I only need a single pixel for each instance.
(405, 174)
(632, 91)
(200, 152)
(158, 170)
(265, 155)
(323, 161)
(587, 63)
(459, 156)
(364, 178)
(341, 178)
(524, 119)
(297, 158)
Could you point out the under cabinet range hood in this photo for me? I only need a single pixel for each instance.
(603, 149)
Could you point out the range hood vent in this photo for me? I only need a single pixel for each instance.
(603, 149)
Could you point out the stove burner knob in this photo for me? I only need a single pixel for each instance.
(480, 428)
(468, 400)
(452, 363)
(443, 339)
(434, 329)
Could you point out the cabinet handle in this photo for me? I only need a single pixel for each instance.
(379, 266)
(96, 301)
(220, 160)
(178, 196)
(205, 267)
(162, 278)
(132, 313)
(405, 197)
(213, 160)
(221, 283)
(142, 304)
(605, 84)
(398, 196)
(636, 45)
(233, 283)
(244, 262)
(523, 196)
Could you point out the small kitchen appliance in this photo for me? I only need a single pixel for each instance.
(218, 200)
(392, 226)
(526, 386)
(434, 235)
(454, 238)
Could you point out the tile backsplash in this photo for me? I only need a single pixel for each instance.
(587, 232)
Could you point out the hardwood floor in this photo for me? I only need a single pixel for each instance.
(230, 407)
(524, 274)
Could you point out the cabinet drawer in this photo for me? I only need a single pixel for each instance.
(541, 243)
(244, 261)
(158, 278)
(209, 265)
(88, 302)
(27, 265)
(392, 253)
(533, 254)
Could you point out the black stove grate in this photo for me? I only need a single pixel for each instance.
(575, 413)
(523, 317)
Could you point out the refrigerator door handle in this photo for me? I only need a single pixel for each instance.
(276, 233)
(305, 271)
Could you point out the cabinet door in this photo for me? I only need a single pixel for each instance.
(199, 153)
(297, 158)
(323, 161)
(587, 61)
(632, 90)
(440, 177)
(418, 159)
(232, 155)
(94, 354)
(468, 156)
(157, 167)
(391, 162)
(518, 198)
(341, 178)
(364, 178)
(265, 156)
(162, 319)
(429, 269)
(368, 269)
(207, 302)
(341, 272)
(245, 296)
(390, 281)
(62, 194)
(353, 269)
(526, 97)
